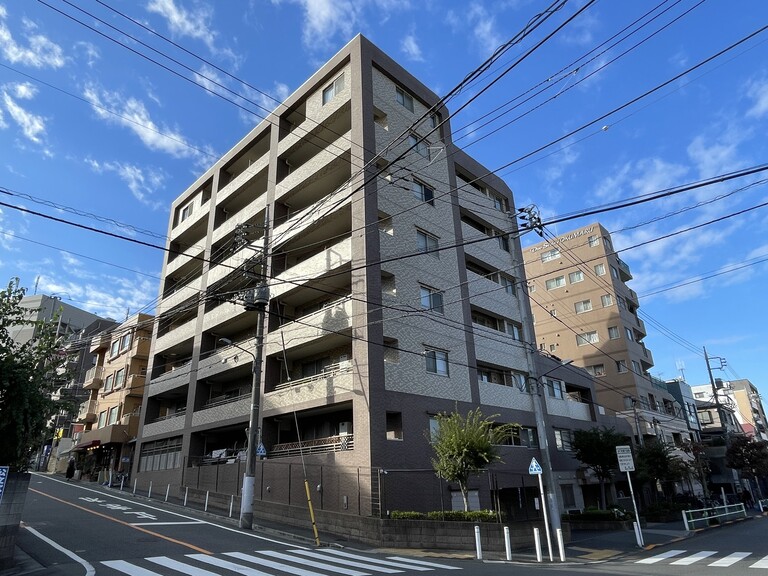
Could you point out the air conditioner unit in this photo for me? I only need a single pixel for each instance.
(345, 428)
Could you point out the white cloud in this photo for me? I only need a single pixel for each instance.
(717, 154)
(142, 182)
(39, 52)
(581, 31)
(266, 102)
(132, 114)
(410, 46)
(757, 91)
(640, 177)
(70, 260)
(89, 51)
(325, 19)
(32, 125)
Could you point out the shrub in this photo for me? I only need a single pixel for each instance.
(405, 515)
(462, 516)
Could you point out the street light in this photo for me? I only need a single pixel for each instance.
(254, 437)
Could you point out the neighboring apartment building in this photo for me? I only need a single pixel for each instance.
(718, 422)
(744, 398)
(110, 416)
(584, 311)
(394, 295)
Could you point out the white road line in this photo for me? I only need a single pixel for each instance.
(244, 570)
(183, 568)
(290, 558)
(660, 557)
(374, 560)
(762, 563)
(165, 523)
(89, 569)
(327, 558)
(688, 560)
(730, 560)
(239, 568)
(423, 562)
(130, 569)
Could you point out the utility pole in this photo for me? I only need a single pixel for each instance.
(720, 413)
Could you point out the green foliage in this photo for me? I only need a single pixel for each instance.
(27, 380)
(748, 455)
(596, 449)
(463, 516)
(406, 515)
(464, 446)
(656, 462)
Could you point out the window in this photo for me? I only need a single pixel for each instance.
(550, 255)
(508, 284)
(125, 342)
(621, 366)
(622, 303)
(606, 300)
(706, 417)
(431, 299)
(515, 330)
(434, 428)
(433, 121)
(596, 369)
(102, 419)
(522, 436)
(614, 273)
(613, 333)
(490, 376)
(427, 243)
(437, 362)
(499, 203)
(553, 312)
(636, 367)
(457, 500)
(335, 87)
(600, 269)
(630, 335)
(554, 283)
(114, 349)
(186, 212)
(112, 415)
(423, 192)
(569, 498)
(520, 380)
(593, 241)
(119, 378)
(109, 383)
(419, 145)
(394, 425)
(404, 99)
(161, 454)
(563, 439)
(575, 277)
(503, 241)
(583, 306)
(587, 338)
(556, 388)
(552, 347)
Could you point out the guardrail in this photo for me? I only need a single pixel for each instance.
(706, 515)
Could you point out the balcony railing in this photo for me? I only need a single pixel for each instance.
(226, 399)
(176, 414)
(93, 378)
(87, 411)
(338, 443)
(328, 371)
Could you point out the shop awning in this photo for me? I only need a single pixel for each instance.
(86, 445)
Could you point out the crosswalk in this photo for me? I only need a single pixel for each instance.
(297, 562)
(705, 557)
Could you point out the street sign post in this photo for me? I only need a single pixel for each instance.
(627, 464)
(535, 470)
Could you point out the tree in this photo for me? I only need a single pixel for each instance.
(596, 449)
(655, 463)
(27, 380)
(698, 465)
(748, 456)
(463, 446)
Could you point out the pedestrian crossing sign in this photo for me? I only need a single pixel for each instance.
(534, 468)
(261, 450)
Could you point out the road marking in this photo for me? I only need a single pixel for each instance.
(364, 566)
(165, 523)
(660, 557)
(688, 560)
(290, 558)
(374, 560)
(240, 569)
(730, 560)
(124, 523)
(423, 563)
(89, 569)
(186, 568)
(130, 569)
(762, 563)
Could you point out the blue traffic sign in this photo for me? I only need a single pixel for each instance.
(534, 468)
(261, 451)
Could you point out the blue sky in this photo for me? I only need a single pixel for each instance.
(94, 133)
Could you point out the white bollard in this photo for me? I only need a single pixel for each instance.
(478, 546)
(122, 482)
(186, 493)
(560, 544)
(507, 543)
(149, 494)
(206, 499)
(231, 504)
(167, 491)
(135, 483)
(638, 535)
(537, 544)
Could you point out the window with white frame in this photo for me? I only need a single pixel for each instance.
(437, 361)
(515, 330)
(621, 366)
(112, 415)
(423, 192)
(419, 145)
(119, 378)
(586, 338)
(564, 439)
(125, 342)
(109, 383)
(434, 428)
(606, 300)
(600, 269)
(519, 379)
(553, 283)
(431, 299)
(550, 255)
(583, 306)
(186, 212)
(404, 99)
(333, 89)
(102, 419)
(556, 388)
(575, 277)
(593, 241)
(596, 369)
(613, 332)
(114, 348)
(629, 333)
(426, 242)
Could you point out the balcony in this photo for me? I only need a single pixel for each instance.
(94, 378)
(332, 382)
(303, 220)
(491, 296)
(177, 334)
(173, 378)
(340, 443)
(88, 411)
(238, 408)
(331, 259)
(336, 318)
(632, 297)
(568, 408)
(100, 342)
(624, 272)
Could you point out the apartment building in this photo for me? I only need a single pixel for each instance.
(584, 311)
(394, 295)
(743, 397)
(110, 415)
